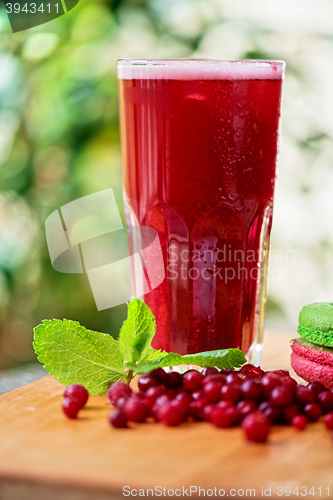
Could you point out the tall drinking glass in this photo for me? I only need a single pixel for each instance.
(199, 145)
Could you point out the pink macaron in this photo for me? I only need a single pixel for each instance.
(312, 362)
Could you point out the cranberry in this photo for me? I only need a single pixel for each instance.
(209, 370)
(273, 413)
(118, 419)
(118, 390)
(317, 387)
(212, 391)
(258, 371)
(174, 380)
(252, 389)
(245, 407)
(227, 371)
(197, 407)
(246, 368)
(225, 417)
(160, 401)
(282, 395)
(325, 400)
(289, 382)
(120, 404)
(256, 427)
(313, 412)
(183, 396)
(224, 404)
(231, 392)
(170, 414)
(328, 420)
(234, 378)
(192, 380)
(159, 375)
(182, 405)
(153, 393)
(269, 382)
(222, 379)
(146, 381)
(280, 373)
(78, 393)
(250, 375)
(207, 412)
(198, 394)
(135, 409)
(70, 408)
(289, 412)
(299, 422)
(304, 395)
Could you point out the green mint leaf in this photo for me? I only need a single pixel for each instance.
(152, 355)
(226, 358)
(73, 354)
(137, 331)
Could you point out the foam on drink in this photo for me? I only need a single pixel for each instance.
(200, 70)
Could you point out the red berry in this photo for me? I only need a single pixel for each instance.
(118, 390)
(77, 393)
(160, 401)
(328, 420)
(280, 373)
(252, 389)
(192, 380)
(209, 370)
(317, 387)
(304, 395)
(153, 393)
(251, 375)
(234, 378)
(325, 400)
(289, 412)
(135, 409)
(118, 419)
(245, 407)
(196, 408)
(225, 417)
(299, 422)
(207, 412)
(159, 375)
(146, 381)
(212, 391)
(313, 412)
(70, 408)
(246, 368)
(256, 427)
(173, 380)
(220, 378)
(282, 395)
(170, 414)
(231, 392)
(120, 404)
(269, 382)
(224, 404)
(198, 394)
(273, 413)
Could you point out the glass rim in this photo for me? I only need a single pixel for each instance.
(246, 69)
(141, 62)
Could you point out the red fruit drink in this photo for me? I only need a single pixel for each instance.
(199, 145)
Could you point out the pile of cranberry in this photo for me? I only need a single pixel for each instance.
(250, 397)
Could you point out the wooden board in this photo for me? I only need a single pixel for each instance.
(45, 456)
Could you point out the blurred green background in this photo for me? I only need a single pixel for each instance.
(59, 140)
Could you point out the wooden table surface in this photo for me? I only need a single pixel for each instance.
(44, 456)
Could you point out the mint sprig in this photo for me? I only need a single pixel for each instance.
(73, 354)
